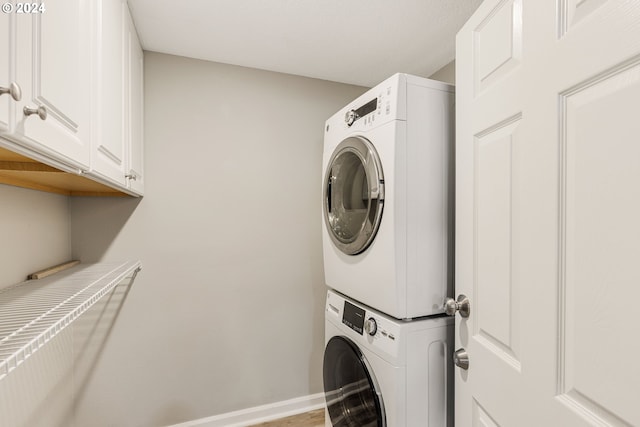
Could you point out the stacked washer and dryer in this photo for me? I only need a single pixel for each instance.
(388, 256)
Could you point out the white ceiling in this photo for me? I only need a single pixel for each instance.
(358, 42)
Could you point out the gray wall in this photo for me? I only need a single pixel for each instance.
(446, 74)
(35, 232)
(227, 312)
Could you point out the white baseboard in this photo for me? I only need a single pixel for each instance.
(260, 414)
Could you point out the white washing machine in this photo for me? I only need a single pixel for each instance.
(388, 197)
(383, 372)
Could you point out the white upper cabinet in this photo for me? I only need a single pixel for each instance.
(51, 56)
(71, 95)
(5, 80)
(135, 113)
(108, 139)
(117, 137)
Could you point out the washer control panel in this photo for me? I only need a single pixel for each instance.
(370, 327)
(353, 317)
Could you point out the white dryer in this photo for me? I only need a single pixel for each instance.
(388, 197)
(383, 372)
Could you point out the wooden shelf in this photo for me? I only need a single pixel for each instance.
(21, 171)
(33, 312)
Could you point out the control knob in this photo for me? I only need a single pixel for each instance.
(371, 326)
(350, 117)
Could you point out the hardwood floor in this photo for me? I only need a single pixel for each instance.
(308, 419)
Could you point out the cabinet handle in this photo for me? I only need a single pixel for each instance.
(41, 111)
(13, 90)
(132, 176)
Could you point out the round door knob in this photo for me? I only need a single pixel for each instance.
(371, 326)
(41, 111)
(461, 359)
(461, 305)
(13, 90)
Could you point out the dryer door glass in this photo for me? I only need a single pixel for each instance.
(353, 195)
(351, 392)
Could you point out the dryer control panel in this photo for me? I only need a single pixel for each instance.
(354, 114)
(375, 107)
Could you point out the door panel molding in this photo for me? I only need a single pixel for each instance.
(572, 12)
(596, 265)
(497, 44)
(496, 289)
(480, 417)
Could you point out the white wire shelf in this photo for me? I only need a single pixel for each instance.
(33, 312)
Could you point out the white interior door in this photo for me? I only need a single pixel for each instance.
(548, 209)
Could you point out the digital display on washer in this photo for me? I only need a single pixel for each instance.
(353, 317)
(367, 108)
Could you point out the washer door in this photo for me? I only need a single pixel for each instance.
(353, 195)
(352, 394)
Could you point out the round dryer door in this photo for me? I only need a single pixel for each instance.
(353, 195)
(352, 394)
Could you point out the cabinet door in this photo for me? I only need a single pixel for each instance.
(52, 67)
(135, 116)
(5, 75)
(108, 147)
